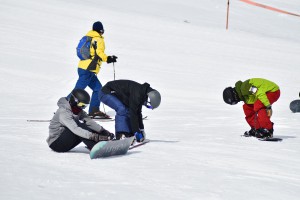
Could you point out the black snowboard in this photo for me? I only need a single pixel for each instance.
(266, 139)
(295, 106)
(271, 139)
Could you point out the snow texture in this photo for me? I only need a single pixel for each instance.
(183, 50)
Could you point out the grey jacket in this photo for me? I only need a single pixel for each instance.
(64, 118)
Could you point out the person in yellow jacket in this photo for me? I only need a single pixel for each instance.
(89, 68)
(258, 95)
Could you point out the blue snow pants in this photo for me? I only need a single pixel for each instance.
(122, 118)
(87, 78)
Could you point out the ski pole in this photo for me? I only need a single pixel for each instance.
(114, 79)
(104, 108)
(114, 71)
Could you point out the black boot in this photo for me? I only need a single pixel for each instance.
(264, 133)
(120, 135)
(250, 133)
(97, 114)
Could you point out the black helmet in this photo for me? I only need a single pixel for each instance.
(154, 99)
(230, 96)
(80, 98)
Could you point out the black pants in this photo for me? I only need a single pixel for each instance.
(68, 140)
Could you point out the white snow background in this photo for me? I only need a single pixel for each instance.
(183, 50)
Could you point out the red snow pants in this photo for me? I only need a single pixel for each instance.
(256, 114)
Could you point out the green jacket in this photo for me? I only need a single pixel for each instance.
(253, 89)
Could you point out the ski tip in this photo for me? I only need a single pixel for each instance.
(101, 117)
(139, 144)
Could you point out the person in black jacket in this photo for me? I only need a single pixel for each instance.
(127, 97)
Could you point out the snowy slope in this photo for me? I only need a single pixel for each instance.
(182, 49)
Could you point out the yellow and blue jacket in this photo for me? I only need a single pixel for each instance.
(100, 48)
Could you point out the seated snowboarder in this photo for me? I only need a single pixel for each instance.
(127, 97)
(71, 125)
(258, 96)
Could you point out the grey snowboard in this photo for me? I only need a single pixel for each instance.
(111, 148)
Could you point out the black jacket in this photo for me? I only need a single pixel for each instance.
(131, 94)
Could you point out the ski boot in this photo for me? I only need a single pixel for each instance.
(97, 114)
(250, 133)
(139, 137)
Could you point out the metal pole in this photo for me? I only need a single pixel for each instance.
(114, 71)
(114, 79)
(227, 15)
(103, 108)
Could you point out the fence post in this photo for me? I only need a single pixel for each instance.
(227, 15)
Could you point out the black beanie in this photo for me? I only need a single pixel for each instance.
(97, 26)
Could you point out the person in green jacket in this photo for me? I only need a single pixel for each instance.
(258, 95)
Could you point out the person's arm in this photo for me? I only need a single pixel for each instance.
(90, 122)
(67, 120)
(140, 118)
(100, 49)
(134, 120)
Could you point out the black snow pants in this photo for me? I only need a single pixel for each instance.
(68, 140)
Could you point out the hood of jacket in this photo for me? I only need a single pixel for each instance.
(93, 34)
(64, 103)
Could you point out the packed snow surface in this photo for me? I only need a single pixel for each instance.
(183, 50)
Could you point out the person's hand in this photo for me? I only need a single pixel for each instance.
(139, 136)
(105, 132)
(97, 137)
(269, 110)
(111, 59)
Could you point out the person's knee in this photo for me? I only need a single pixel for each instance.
(97, 88)
(122, 110)
(101, 95)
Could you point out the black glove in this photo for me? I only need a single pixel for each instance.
(97, 137)
(111, 59)
(109, 135)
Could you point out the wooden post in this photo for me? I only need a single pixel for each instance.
(227, 15)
